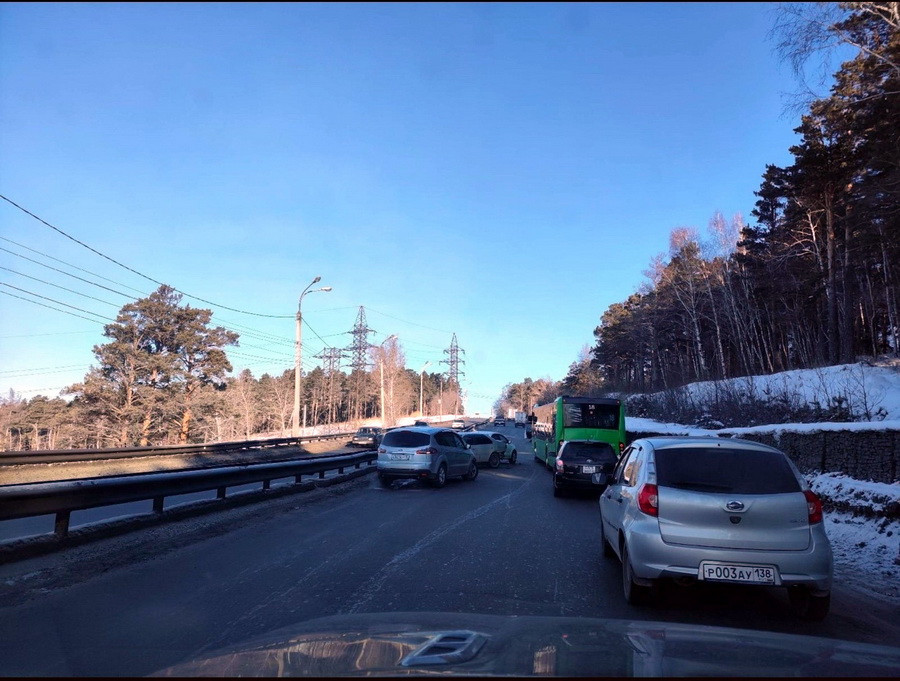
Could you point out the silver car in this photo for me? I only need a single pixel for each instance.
(715, 510)
(432, 454)
(482, 447)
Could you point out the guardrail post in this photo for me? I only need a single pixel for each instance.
(357, 464)
(321, 475)
(220, 493)
(341, 470)
(298, 478)
(158, 504)
(61, 527)
(267, 484)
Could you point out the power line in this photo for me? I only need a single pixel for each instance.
(35, 335)
(47, 255)
(56, 269)
(84, 295)
(134, 271)
(58, 302)
(67, 366)
(34, 302)
(384, 314)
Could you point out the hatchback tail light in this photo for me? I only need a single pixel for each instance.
(427, 450)
(814, 504)
(648, 499)
(560, 465)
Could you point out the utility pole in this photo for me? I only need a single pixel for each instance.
(421, 382)
(298, 356)
(381, 369)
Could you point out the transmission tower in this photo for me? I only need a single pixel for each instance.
(331, 364)
(359, 349)
(331, 360)
(453, 361)
(453, 371)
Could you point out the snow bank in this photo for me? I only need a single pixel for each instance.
(634, 424)
(871, 391)
(811, 427)
(866, 550)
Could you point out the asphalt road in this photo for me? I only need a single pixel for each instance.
(499, 545)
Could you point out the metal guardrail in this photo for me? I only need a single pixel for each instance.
(80, 455)
(63, 497)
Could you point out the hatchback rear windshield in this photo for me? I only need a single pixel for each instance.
(405, 438)
(717, 469)
(599, 451)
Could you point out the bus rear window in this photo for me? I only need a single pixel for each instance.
(591, 416)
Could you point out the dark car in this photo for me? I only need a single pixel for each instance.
(578, 461)
(499, 421)
(421, 423)
(367, 437)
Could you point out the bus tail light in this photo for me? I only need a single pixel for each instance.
(648, 499)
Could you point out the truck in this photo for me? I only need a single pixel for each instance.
(521, 419)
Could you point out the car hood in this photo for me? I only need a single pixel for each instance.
(487, 645)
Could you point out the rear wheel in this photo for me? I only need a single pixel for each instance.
(441, 478)
(514, 456)
(807, 605)
(472, 473)
(557, 490)
(494, 460)
(635, 594)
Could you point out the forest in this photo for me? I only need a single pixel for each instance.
(162, 378)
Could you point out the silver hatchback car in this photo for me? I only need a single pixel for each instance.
(715, 510)
(432, 454)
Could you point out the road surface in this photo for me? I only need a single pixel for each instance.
(502, 544)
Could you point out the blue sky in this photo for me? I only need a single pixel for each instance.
(501, 171)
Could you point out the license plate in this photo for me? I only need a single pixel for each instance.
(589, 469)
(400, 457)
(747, 574)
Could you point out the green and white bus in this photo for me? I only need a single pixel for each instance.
(576, 418)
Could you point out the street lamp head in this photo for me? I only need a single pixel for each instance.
(325, 288)
(317, 280)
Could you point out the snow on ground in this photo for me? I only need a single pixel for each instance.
(866, 550)
(776, 428)
(634, 424)
(871, 390)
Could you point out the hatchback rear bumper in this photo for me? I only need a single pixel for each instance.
(652, 558)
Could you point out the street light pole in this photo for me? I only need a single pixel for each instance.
(421, 380)
(381, 369)
(298, 356)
